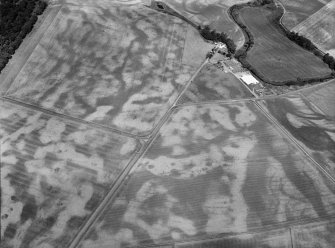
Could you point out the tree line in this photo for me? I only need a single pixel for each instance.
(261, 2)
(308, 45)
(241, 54)
(212, 35)
(17, 19)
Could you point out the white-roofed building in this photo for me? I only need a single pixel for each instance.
(249, 79)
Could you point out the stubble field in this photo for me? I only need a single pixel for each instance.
(213, 170)
(54, 173)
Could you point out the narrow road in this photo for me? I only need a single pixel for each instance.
(293, 140)
(68, 117)
(111, 195)
(278, 2)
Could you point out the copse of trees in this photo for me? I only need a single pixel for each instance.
(329, 60)
(17, 19)
(212, 35)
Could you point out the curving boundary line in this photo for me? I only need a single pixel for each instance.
(248, 44)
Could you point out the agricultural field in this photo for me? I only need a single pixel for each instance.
(312, 128)
(274, 239)
(121, 67)
(212, 13)
(195, 48)
(315, 235)
(297, 11)
(213, 83)
(115, 131)
(323, 98)
(213, 170)
(99, 3)
(54, 173)
(320, 28)
(273, 55)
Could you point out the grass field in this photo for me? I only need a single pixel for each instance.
(214, 84)
(320, 28)
(323, 98)
(299, 10)
(54, 173)
(312, 129)
(213, 13)
(213, 170)
(273, 55)
(121, 67)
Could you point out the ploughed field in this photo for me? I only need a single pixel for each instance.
(214, 170)
(273, 55)
(54, 173)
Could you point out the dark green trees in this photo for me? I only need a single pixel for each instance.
(212, 35)
(301, 41)
(17, 18)
(307, 44)
(329, 60)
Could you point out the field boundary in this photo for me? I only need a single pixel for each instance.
(68, 117)
(294, 142)
(314, 17)
(223, 236)
(130, 167)
(241, 54)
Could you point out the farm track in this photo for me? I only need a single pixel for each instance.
(279, 3)
(111, 195)
(26, 49)
(295, 92)
(293, 141)
(68, 117)
(317, 71)
(118, 184)
(316, 17)
(255, 232)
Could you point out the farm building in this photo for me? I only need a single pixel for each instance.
(249, 79)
